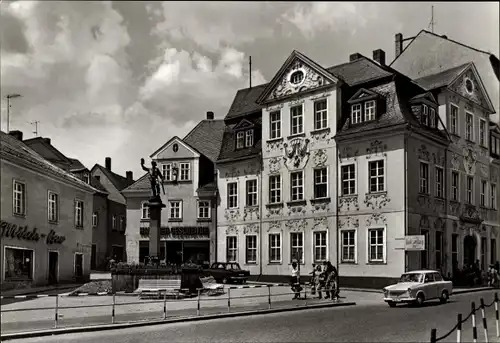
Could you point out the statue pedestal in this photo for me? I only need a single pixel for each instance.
(155, 207)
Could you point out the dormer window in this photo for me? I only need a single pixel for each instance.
(249, 138)
(356, 113)
(240, 140)
(425, 115)
(86, 178)
(433, 118)
(370, 110)
(365, 111)
(244, 139)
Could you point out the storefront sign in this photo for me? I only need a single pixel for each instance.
(179, 231)
(415, 243)
(10, 230)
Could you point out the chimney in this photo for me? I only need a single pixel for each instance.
(399, 44)
(108, 163)
(379, 56)
(129, 176)
(210, 115)
(47, 140)
(354, 57)
(17, 135)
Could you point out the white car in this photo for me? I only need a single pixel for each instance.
(417, 287)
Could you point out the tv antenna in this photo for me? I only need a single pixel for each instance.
(36, 127)
(432, 23)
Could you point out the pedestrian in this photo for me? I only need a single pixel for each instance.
(329, 277)
(312, 280)
(295, 280)
(319, 281)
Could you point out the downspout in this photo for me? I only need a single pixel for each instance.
(216, 174)
(337, 212)
(408, 134)
(260, 216)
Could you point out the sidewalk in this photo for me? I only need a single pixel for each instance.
(41, 290)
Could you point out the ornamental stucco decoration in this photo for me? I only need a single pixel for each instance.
(232, 214)
(322, 135)
(454, 208)
(251, 228)
(470, 159)
(424, 201)
(274, 165)
(250, 212)
(438, 158)
(439, 223)
(320, 157)
(376, 219)
(274, 212)
(455, 162)
(251, 169)
(296, 153)
(232, 173)
(274, 145)
(232, 230)
(376, 200)
(424, 222)
(348, 153)
(376, 148)
(273, 108)
(296, 210)
(348, 203)
(484, 170)
(274, 225)
(349, 222)
(439, 205)
(320, 223)
(494, 174)
(321, 207)
(296, 225)
(423, 153)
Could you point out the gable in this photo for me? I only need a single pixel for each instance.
(361, 95)
(298, 74)
(243, 125)
(469, 85)
(175, 148)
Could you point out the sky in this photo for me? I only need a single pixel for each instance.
(119, 79)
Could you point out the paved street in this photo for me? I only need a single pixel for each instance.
(367, 322)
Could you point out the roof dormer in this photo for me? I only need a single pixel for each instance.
(244, 133)
(365, 105)
(425, 108)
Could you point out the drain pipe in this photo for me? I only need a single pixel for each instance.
(260, 216)
(337, 219)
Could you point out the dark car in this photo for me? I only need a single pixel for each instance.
(226, 272)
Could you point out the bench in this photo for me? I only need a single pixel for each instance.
(154, 288)
(211, 286)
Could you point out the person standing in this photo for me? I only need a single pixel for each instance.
(294, 280)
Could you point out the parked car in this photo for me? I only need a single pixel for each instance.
(417, 287)
(226, 272)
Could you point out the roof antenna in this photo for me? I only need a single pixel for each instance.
(250, 69)
(432, 23)
(36, 127)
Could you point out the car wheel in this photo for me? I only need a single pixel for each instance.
(420, 299)
(391, 304)
(444, 297)
(224, 280)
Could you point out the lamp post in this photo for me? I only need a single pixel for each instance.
(10, 96)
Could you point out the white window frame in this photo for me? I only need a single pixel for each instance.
(425, 114)
(206, 207)
(77, 210)
(376, 178)
(469, 130)
(240, 139)
(439, 186)
(232, 249)
(342, 246)
(314, 246)
(182, 168)
(95, 219)
(172, 206)
(299, 187)
(275, 189)
(292, 246)
(469, 191)
(323, 182)
(432, 118)
(86, 178)
(370, 110)
(320, 115)
(22, 194)
(113, 222)
(457, 186)
(356, 117)
(483, 133)
(247, 249)
(52, 207)
(167, 171)
(145, 211)
(74, 264)
(493, 196)
(423, 183)
(384, 244)
(454, 119)
(483, 197)
(249, 138)
(279, 248)
(33, 257)
(297, 128)
(275, 125)
(251, 193)
(231, 195)
(348, 180)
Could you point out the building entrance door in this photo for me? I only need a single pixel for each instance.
(469, 250)
(53, 267)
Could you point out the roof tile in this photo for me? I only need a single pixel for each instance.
(206, 138)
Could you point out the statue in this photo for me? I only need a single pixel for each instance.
(154, 174)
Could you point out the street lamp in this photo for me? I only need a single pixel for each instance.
(10, 96)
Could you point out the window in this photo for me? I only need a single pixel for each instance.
(95, 219)
(297, 186)
(454, 119)
(454, 252)
(275, 125)
(439, 250)
(348, 179)
(348, 246)
(495, 145)
(251, 192)
(185, 171)
(251, 249)
(370, 110)
(432, 118)
(240, 140)
(113, 222)
(86, 178)
(470, 189)
(53, 207)
(232, 195)
(356, 113)
(376, 245)
(167, 171)
(484, 188)
(19, 198)
(320, 183)
(493, 251)
(204, 209)
(297, 77)
(175, 209)
(320, 115)
(274, 189)
(455, 182)
(482, 132)
(297, 246)
(122, 223)
(18, 264)
(274, 248)
(425, 115)
(469, 126)
(424, 178)
(297, 120)
(249, 138)
(493, 196)
(145, 211)
(78, 213)
(439, 182)
(320, 246)
(231, 248)
(377, 176)
(424, 254)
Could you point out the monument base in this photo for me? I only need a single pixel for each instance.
(155, 206)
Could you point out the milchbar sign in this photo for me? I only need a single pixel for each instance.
(10, 230)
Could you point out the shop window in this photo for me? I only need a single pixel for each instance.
(18, 264)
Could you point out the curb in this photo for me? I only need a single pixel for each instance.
(472, 290)
(94, 328)
(456, 291)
